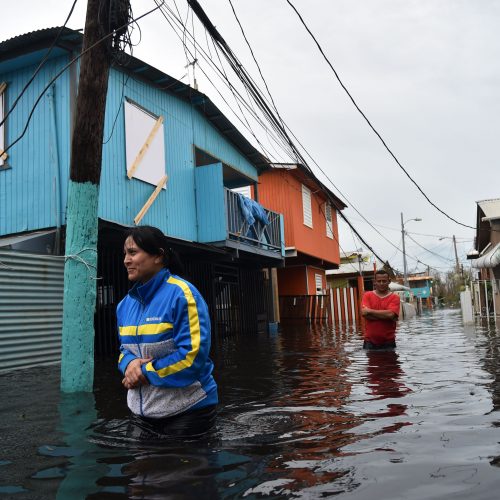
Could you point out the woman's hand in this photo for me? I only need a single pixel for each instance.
(133, 374)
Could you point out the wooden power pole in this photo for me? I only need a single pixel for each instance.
(77, 365)
(457, 263)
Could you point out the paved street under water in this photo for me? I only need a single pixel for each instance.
(305, 413)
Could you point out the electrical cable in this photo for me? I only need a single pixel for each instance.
(124, 84)
(246, 80)
(427, 250)
(256, 63)
(40, 65)
(370, 124)
(221, 73)
(76, 58)
(274, 105)
(244, 77)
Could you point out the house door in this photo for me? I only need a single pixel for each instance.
(227, 300)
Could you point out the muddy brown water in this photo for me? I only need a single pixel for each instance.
(305, 413)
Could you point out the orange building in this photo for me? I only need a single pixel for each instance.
(311, 233)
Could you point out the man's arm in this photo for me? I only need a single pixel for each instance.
(368, 313)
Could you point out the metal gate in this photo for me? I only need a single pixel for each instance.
(483, 297)
(238, 299)
(227, 303)
(112, 286)
(31, 309)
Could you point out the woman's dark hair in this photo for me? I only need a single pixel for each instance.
(154, 242)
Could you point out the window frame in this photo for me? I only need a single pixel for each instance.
(329, 221)
(307, 203)
(148, 170)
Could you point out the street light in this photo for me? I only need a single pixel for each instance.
(405, 271)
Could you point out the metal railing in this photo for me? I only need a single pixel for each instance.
(263, 236)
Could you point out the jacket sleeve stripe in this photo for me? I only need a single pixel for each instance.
(194, 330)
(149, 329)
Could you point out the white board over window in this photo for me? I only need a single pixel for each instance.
(139, 125)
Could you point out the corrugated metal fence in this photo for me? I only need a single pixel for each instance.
(31, 303)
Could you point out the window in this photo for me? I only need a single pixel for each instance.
(319, 283)
(306, 206)
(245, 191)
(329, 221)
(145, 144)
(3, 156)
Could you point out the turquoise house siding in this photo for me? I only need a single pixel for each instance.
(174, 210)
(28, 198)
(33, 190)
(210, 204)
(28, 189)
(422, 291)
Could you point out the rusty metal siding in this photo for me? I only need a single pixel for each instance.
(31, 302)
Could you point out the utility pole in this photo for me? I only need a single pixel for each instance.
(457, 264)
(405, 270)
(77, 364)
(360, 283)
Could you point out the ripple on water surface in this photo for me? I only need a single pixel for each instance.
(304, 414)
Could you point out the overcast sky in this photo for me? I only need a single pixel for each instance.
(425, 72)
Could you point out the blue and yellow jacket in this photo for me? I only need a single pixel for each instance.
(167, 319)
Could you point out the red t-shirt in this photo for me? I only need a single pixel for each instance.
(380, 331)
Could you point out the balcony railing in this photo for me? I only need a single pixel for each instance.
(263, 236)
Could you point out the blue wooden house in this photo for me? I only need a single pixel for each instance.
(161, 137)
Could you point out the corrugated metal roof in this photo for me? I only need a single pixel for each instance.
(489, 259)
(490, 208)
(351, 264)
(19, 238)
(72, 40)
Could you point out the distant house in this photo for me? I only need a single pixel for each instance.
(311, 234)
(486, 259)
(348, 283)
(421, 286)
(191, 145)
(352, 265)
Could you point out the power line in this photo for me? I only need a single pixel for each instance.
(76, 58)
(247, 81)
(40, 65)
(222, 74)
(276, 122)
(370, 124)
(427, 250)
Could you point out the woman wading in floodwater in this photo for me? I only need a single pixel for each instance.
(164, 330)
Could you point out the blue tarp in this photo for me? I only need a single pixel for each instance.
(252, 211)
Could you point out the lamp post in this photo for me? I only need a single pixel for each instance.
(405, 270)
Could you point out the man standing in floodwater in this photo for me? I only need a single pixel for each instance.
(380, 309)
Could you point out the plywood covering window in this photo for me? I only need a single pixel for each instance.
(306, 206)
(3, 156)
(145, 144)
(329, 221)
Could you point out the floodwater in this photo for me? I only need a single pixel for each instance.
(304, 413)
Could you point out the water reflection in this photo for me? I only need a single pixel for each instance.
(384, 379)
(81, 472)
